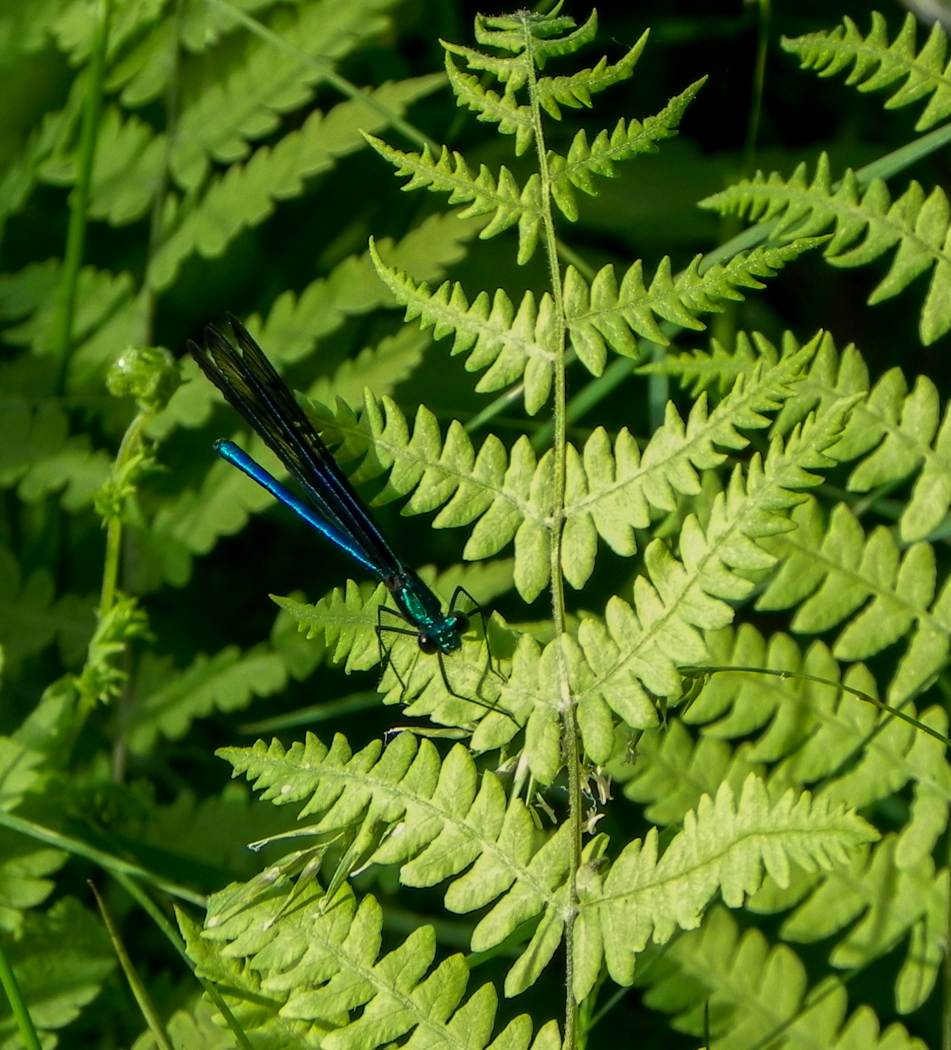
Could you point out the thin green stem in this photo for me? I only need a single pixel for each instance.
(158, 201)
(327, 73)
(136, 983)
(17, 1005)
(129, 447)
(799, 676)
(566, 701)
(79, 198)
(759, 79)
(149, 907)
(97, 856)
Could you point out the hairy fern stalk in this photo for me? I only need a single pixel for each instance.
(770, 773)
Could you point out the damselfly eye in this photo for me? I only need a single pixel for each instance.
(460, 623)
(427, 643)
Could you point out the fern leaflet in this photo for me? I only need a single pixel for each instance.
(878, 65)
(918, 224)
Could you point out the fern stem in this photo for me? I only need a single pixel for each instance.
(79, 198)
(799, 676)
(17, 1005)
(129, 446)
(97, 856)
(559, 478)
(327, 73)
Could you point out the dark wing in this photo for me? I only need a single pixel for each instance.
(250, 383)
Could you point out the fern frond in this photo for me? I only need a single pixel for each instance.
(319, 962)
(610, 490)
(501, 198)
(344, 624)
(624, 143)
(246, 104)
(758, 994)
(448, 821)
(166, 701)
(917, 223)
(890, 901)
(878, 65)
(830, 571)
(539, 36)
(516, 344)
(246, 194)
(24, 871)
(893, 433)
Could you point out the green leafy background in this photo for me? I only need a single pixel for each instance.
(276, 208)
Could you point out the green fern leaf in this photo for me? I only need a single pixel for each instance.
(576, 89)
(505, 110)
(541, 36)
(919, 225)
(30, 620)
(193, 1028)
(633, 648)
(126, 171)
(345, 622)
(142, 70)
(879, 65)
(23, 866)
(759, 994)
(893, 433)
(889, 901)
(60, 963)
(501, 198)
(167, 701)
(246, 194)
(246, 104)
(512, 343)
(624, 143)
(831, 571)
(726, 845)
(310, 994)
(608, 494)
(602, 315)
(672, 772)
(24, 872)
(447, 819)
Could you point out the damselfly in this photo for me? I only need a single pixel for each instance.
(250, 383)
